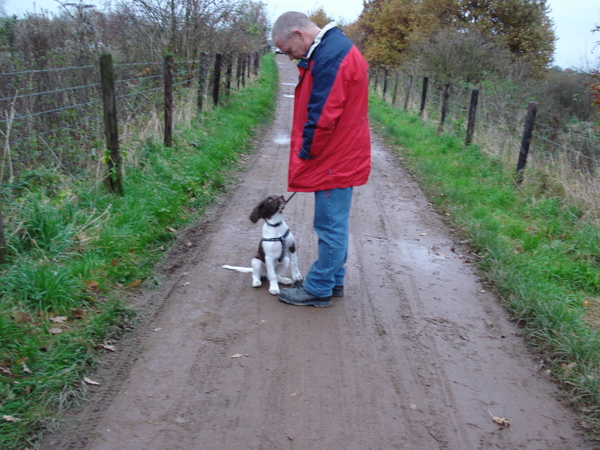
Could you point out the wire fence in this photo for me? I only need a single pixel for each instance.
(54, 118)
(557, 141)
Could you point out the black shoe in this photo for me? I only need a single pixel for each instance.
(300, 297)
(338, 291)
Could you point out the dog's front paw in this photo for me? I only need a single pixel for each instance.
(284, 280)
(274, 290)
(297, 277)
(256, 283)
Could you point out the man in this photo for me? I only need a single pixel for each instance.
(330, 149)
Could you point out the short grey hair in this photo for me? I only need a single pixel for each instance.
(288, 22)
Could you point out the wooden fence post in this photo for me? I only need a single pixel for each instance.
(168, 79)
(2, 238)
(472, 114)
(395, 91)
(202, 79)
(244, 63)
(238, 70)
(217, 78)
(385, 82)
(527, 133)
(444, 108)
(114, 178)
(408, 88)
(424, 95)
(228, 74)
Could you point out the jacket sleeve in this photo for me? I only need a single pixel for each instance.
(325, 105)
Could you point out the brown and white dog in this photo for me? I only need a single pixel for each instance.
(277, 248)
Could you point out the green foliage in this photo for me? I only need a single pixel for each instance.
(75, 252)
(542, 257)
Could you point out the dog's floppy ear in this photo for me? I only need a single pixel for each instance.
(256, 213)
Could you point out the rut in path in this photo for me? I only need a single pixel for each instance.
(413, 357)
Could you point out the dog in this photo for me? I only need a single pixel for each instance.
(277, 248)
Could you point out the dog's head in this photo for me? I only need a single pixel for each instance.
(267, 208)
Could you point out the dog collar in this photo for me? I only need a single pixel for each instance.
(274, 225)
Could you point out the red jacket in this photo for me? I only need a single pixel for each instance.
(330, 143)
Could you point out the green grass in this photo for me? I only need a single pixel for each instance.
(74, 249)
(542, 257)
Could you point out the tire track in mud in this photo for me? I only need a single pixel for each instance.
(411, 358)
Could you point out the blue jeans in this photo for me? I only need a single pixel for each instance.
(332, 209)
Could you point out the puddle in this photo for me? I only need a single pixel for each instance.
(420, 255)
(282, 140)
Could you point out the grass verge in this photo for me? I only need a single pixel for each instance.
(76, 252)
(538, 251)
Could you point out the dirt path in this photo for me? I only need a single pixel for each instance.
(413, 356)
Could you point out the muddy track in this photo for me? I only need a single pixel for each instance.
(415, 356)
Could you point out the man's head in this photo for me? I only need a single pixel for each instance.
(294, 33)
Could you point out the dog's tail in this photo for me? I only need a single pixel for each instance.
(239, 269)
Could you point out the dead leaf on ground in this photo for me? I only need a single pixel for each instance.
(21, 316)
(5, 371)
(110, 348)
(133, 284)
(25, 368)
(239, 355)
(500, 420)
(78, 313)
(10, 418)
(92, 285)
(55, 331)
(92, 382)
(58, 319)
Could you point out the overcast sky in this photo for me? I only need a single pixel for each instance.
(573, 19)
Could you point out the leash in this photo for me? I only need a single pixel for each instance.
(286, 202)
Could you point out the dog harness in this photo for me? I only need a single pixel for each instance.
(280, 238)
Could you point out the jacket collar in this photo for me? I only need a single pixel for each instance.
(318, 38)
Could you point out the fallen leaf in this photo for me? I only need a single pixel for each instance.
(423, 234)
(55, 331)
(58, 319)
(10, 418)
(133, 284)
(114, 262)
(5, 371)
(500, 420)
(78, 313)
(413, 406)
(172, 230)
(157, 329)
(93, 285)
(21, 316)
(239, 355)
(105, 347)
(26, 369)
(92, 382)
